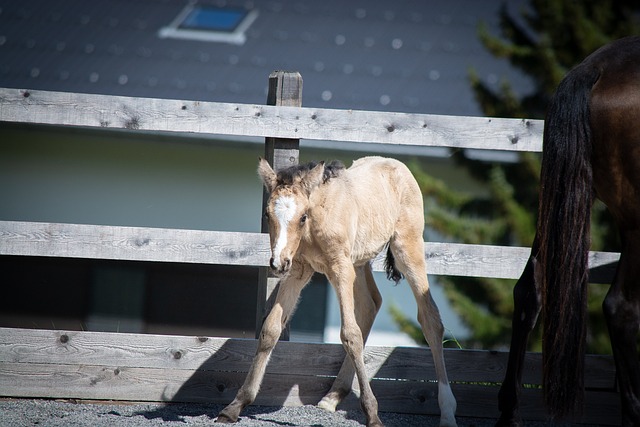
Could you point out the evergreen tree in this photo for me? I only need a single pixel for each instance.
(544, 41)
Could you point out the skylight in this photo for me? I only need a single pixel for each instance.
(210, 23)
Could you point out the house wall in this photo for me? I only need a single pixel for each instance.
(117, 178)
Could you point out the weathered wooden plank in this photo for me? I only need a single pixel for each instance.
(171, 385)
(251, 249)
(115, 382)
(506, 262)
(133, 243)
(224, 354)
(146, 114)
(96, 365)
(470, 260)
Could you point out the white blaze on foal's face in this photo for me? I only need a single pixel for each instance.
(284, 210)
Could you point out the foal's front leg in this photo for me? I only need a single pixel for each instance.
(343, 278)
(286, 299)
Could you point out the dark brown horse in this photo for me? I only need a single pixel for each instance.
(591, 149)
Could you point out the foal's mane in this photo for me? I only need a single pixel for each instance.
(288, 175)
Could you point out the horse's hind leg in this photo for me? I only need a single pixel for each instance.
(367, 303)
(408, 249)
(622, 311)
(288, 293)
(527, 304)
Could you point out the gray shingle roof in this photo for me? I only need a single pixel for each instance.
(407, 56)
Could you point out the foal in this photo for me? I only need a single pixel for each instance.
(334, 221)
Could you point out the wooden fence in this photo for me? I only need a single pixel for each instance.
(92, 365)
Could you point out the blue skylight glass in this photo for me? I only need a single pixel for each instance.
(210, 24)
(213, 19)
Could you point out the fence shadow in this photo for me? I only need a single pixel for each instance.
(291, 379)
(301, 374)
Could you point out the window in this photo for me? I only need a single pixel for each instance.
(210, 23)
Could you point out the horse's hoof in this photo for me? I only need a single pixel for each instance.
(509, 422)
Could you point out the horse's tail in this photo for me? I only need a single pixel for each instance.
(566, 197)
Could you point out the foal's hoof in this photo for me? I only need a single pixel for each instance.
(225, 419)
(327, 405)
(448, 422)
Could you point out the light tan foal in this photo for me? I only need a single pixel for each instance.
(335, 226)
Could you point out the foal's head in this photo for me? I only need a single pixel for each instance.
(287, 208)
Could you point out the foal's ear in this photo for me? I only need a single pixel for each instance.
(313, 178)
(266, 174)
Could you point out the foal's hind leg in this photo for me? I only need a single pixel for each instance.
(622, 311)
(367, 303)
(285, 302)
(342, 276)
(527, 304)
(409, 256)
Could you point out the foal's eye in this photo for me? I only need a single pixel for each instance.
(303, 219)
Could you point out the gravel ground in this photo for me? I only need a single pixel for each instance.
(52, 413)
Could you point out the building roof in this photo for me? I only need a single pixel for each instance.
(403, 56)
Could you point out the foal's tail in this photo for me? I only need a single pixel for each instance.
(390, 267)
(566, 196)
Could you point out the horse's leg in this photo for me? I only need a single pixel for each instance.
(622, 311)
(342, 276)
(408, 249)
(527, 304)
(285, 302)
(367, 304)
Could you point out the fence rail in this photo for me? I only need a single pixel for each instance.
(250, 249)
(273, 121)
(135, 367)
(86, 365)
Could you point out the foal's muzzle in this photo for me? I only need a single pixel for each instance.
(281, 269)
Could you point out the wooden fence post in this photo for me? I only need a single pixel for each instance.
(285, 89)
